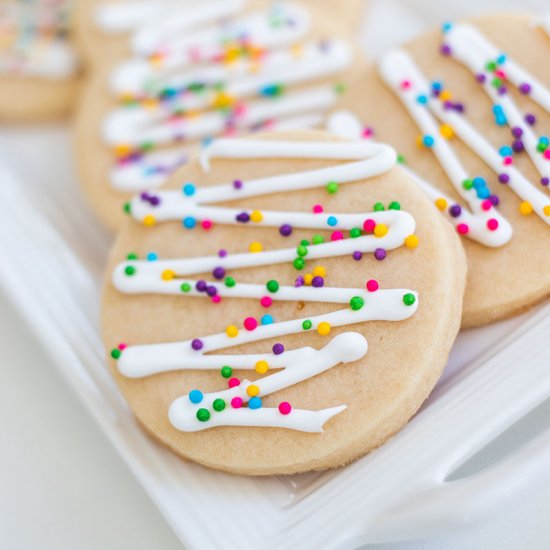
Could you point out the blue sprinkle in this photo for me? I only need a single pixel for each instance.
(505, 151)
(483, 193)
(437, 85)
(152, 256)
(188, 189)
(195, 396)
(428, 141)
(332, 221)
(266, 319)
(479, 182)
(497, 109)
(446, 27)
(501, 59)
(255, 403)
(543, 140)
(189, 222)
(422, 99)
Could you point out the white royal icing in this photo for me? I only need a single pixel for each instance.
(366, 160)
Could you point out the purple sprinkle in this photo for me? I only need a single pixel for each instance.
(459, 107)
(237, 184)
(380, 254)
(154, 201)
(144, 196)
(502, 90)
(317, 282)
(525, 88)
(481, 78)
(222, 253)
(530, 119)
(285, 230)
(197, 344)
(201, 286)
(517, 146)
(218, 273)
(455, 210)
(517, 132)
(503, 178)
(494, 200)
(544, 181)
(448, 105)
(299, 281)
(211, 290)
(357, 255)
(278, 349)
(445, 49)
(243, 217)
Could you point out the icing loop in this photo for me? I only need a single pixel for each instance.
(241, 404)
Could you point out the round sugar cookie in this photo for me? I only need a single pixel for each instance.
(240, 67)
(238, 328)
(468, 94)
(38, 62)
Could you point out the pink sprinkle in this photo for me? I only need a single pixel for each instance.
(462, 228)
(405, 84)
(500, 73)
(122, 347)
(233, 382)
(492, 224)
(547, 154)
(216, 299)
(372, 285)
(236, 402)
(250, 323)
(508, 161)
(285, 407)
(369, 225)
(206, 224)
(368, 132)
(336, 236)
(317, 209)
(486, 204)
(266, 301)
(240, 109)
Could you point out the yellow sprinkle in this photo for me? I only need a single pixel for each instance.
(546, 210)
(122, 150)
(168, 275)
(380, 230)
(525, 208)
(222, 100)
(445, 95)
(149, 220)
(308, 277)
(411, 241)
(323, 328)
(256, 216)
(441, 203)
(150, 103)
(297, 50)
(446, 131)
(232, 331)
(252, 390)
(255, 247)
(420, 141)
(319, 271)
(262, 367)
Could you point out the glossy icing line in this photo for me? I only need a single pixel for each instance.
(189, 413)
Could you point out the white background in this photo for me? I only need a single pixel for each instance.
(63, 486)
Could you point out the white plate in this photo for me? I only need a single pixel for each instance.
(495, 376)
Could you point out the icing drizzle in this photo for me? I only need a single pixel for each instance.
(135, 276)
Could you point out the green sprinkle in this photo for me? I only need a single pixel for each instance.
(467, 184)
(332, 187)
(356, 303)
(378, 207)
(147, 146)
(541, 147)
(226, 371)
(299, 263)
(307, 324)
(272, 286)
(496, 82)
(491, 66)
(185, 287)
(218, 405)
(130, 270)
(355, 232)
(301, 251)
(318, 239)
(203, 415)
(409, 299)
(132, 256)
(304, 242)
(229, 282)
(115, 353)
(127, 207)
(394, 205)
(401, 159)
(339, 88)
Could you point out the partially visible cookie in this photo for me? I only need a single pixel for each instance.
(38, 63)
(195, 72)
(468, 109)
(240, 301)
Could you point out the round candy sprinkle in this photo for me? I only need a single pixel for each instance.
(272, 285)
(130, 270)
(336, 236)
(168, 275)
(255, 247)
(308, 277)
(525, 208)
(492, 224)
(372, 285)
(332, 221)
(237, 184)
(203, 415)
(256, 216)
(232, 331)
(394, 205)
(252, 390)
(301, 251)
(236, 402)
(261, 367)
(255, 403)
(378, 207)
(544, 181)
(132, 256)
(411, 241)
(218, 273)
(332, 187)
(409, 299)
(218, 405)
(317, 282)
(323, 328)
(266, 301)
(285, 230)
(278, 349)
(222, 253)
(226, 371)
(233, 382)
(285, 407)
(428, 141)
(116, 353)
(229, 282)
(467, 184)
(152, 256)
(369, 225)
(266, 319)
(201, 285)
(356, 303)
(355, 232)
(317, 209)
(530, 119)
(503, 178)
(207, 224)
(525, 88)
(189, 222)
(546, 210)
(307, 324)
(195, 396)
(317, 239)
(455, 210)
(197, 344)
(127, 208)
(299, 263)
(250, 323)
(243, 217)
(188, 189)
(149, 220)
(380, 230)
(462, 228)
(380, 254)
(319, 271)
(357, 255)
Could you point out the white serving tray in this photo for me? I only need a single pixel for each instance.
(51, 257)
